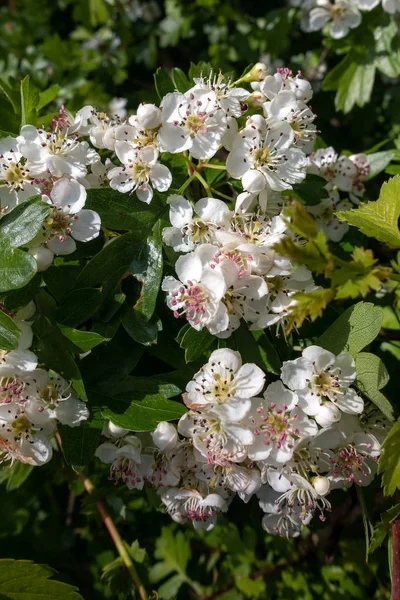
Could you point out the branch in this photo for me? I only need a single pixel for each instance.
(396, 561)
(116, 538)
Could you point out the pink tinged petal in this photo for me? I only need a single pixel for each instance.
(160, 177)
(189, 268)
(68, 195)
(86, 226)
(67, 246)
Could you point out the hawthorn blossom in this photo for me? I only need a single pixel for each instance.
(391, 6)
(127, 463)
(285, 107)
(276, 424)
(320, 379)
(263, 156)
(16, 181)
(225, 385)
(197, 294)
(325, 218)
(57, 153)
(283, 80)
(340, 172)
(229, 98)
(342, 15)
(68, 222)
(189, 505)
(192, 121)
(187, 230)
(140, 169)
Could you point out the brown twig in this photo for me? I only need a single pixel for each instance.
(396, 561)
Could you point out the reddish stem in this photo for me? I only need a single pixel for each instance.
(396, 561)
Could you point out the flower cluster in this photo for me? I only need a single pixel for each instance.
(338, 16)
(306, 434)
(32, 401)
(344, 175)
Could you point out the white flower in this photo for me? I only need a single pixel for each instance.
(54, 152)
(224, 476)
(226, 385)
(286, 107)
(191, 121)
(318, 377)
(189, 505)
(341, 173)
(198, 294)
(342, 15)
(16, 182)
(366, 4)
(127, 463)
(325, 218)
(284, 80)
(267, 202)
(188, 231)
(214, 437)
(148, 116)
(276, 424)
(263, 157)
(140, 168)
(282, 518)
(21, 319)
(228, 98)
(391, 6)
(117, 106)
(98, 176)
(68, 221)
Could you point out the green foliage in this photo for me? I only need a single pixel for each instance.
(21, 577)
(389, 462)
(382, 528)
(379, 219)
(9, 332)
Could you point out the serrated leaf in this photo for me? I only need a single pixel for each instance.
(29, 101)
(23, 580)
(195, 343)
(372, 376)
(379, 219)
(389, 461)
(356, 327)
(163, 83)
(353, 78)
(22, 224)
(48, 96)
(382, 528)
(9, 332)
(378, 161)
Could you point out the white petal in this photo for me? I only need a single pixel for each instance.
(180, 212)
(86, 226)
(67, 246)
(160, 177)
(189, 268)
(69, 195)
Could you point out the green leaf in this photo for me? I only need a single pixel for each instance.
(163, 83)
(371, 377)
(139, 415)
(80, 443)
(22, 224)
(9, 332)
(25, 580)
(16, 475)
(379, 219)
(180, 80)
(383, 527)
(29, 101)
(173, 552)
(357, 327)
(147, 267)
(378, 161)
(124, 212)
(48, 96)
(255, 347)
(78, 306)
(141, 329)
(195, 343)
(85, 340)
(353, 78)
(16, 269)
(389, 461)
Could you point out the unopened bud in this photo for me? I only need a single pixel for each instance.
(43, 257)
(149, 116)
(322, 485)
(165, 436)
(257, 73)
(256, 99)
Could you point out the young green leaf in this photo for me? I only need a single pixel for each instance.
(372, 376)
(163, 82)
(389, 461)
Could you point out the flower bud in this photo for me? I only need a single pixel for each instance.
(43, 257)
(256, 99)
(111, 430)
(328, 414)
(322, 485)
(257, 73)
(149, 116)
(165, 436)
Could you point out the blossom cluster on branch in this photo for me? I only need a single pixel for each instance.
(306, 434)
